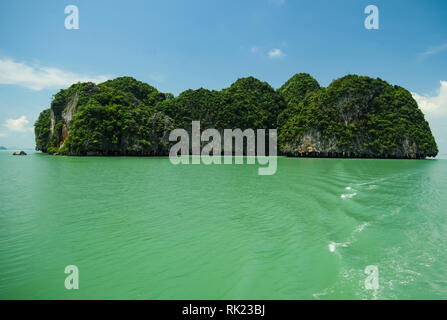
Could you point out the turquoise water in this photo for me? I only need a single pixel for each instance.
(146, 229)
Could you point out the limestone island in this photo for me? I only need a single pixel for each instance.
(354, 117)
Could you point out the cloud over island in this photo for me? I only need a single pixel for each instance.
(434, 104)
(40, 77)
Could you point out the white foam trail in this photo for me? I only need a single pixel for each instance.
(322, 293)
(373, 181)
(334, 245)
(348, 195)
(361, 227)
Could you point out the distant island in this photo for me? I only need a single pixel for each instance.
(2, 148)
(355, 116)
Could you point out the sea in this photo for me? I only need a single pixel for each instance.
(144, 228)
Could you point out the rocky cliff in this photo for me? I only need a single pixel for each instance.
(353, 117)
(117, 117)
(357, 117)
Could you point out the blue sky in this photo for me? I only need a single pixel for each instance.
(176, 45)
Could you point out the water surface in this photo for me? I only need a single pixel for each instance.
(146, 229)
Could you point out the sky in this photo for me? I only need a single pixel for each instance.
(183, 44)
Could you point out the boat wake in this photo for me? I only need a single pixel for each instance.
(334, 245)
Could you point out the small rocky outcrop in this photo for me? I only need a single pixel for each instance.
(19, 153)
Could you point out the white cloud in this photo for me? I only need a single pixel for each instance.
(18, 125)
(38, 78)
(254, 49)
(275, 53)
(433, 105)
(3, 134)
(435, 50)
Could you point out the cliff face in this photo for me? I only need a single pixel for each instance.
(353, 117)
(65, 118)
(313, 144)
(358, 117)
(113, 118)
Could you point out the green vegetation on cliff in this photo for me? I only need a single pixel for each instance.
(247, 103)
(354, 116)
(361, 117)
(117, 117)
(296, 88)
(293, 92)
(42, 130)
